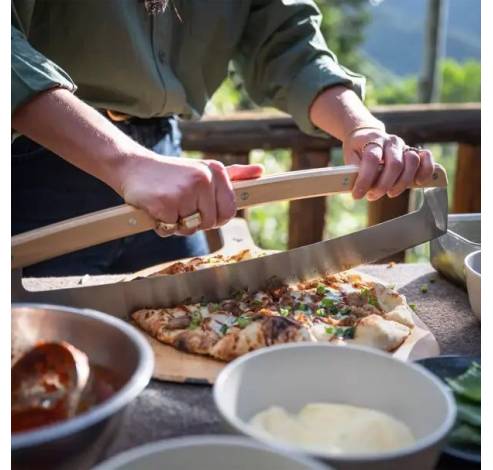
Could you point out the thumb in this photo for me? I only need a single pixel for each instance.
(244, 172)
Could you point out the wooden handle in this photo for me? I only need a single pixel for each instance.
(117, 222)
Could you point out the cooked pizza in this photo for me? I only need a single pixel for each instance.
(342, 309)
(204, 262)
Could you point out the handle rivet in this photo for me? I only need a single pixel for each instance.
(132, 221)
(244, 196)
(345, 181)
(435, 176)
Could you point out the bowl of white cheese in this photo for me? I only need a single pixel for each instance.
(352, 407)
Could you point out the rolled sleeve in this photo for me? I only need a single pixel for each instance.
(31, 72)
(285, 62)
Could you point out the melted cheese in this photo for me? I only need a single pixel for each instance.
(335, 428)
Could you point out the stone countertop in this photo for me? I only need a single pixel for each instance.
(167, 410)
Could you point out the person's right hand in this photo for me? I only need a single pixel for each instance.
(170, 188)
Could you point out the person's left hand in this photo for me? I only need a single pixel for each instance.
(387, 164)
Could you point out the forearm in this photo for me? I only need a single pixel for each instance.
(76, 132)
(338, 110)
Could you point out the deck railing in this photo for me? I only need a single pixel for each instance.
(231, 138)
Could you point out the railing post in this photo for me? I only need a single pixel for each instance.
(467, 188)
(307, 216)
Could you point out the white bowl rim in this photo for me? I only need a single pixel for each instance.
(467, 261)
(418, 446)
(138, 381)
(132, 455)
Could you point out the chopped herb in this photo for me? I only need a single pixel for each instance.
(413, 307)
(369, 297)
(302, 307)
(243, 321)
(345, 332)
(329, 330)
(214, 307)
(321, 289)
(196, 321)
(424, 288)
(320, 312)
(284, 311)
(223, 329)
(433, 280)
(256, 303)
(343, 312)
(327, 302)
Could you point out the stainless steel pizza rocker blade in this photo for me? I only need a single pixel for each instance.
(330, 256)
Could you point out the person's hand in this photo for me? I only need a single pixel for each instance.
(387, 164)
(170, 189)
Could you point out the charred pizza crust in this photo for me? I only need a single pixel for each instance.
(343, 308)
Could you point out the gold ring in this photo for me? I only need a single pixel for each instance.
(371, 142)
(191, 221)
(164, 229)
(411, 149)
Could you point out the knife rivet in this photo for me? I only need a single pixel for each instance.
(345, 181)
(132, 221)
(435, 176)
(244, 196)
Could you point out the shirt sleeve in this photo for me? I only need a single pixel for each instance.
(31, 72)
(284, 60)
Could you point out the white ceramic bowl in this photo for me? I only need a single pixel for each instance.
(294, 375)
(472, 265)
(208, 453)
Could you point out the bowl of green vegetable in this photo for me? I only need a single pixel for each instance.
(463, 375)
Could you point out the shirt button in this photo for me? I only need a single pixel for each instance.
(162, 57)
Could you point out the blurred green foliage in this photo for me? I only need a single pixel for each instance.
(343, 27)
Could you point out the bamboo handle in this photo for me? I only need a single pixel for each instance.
(121, 221)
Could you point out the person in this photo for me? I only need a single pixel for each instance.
(96, 91)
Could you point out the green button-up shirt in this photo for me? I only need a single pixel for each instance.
(118, 57)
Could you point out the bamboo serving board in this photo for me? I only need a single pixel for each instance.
(176, 366)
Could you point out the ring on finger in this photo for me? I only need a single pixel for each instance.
(164, 229)
(412, 149)
(192, 221)
(371, 142)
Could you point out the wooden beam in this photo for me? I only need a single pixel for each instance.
(307, 216)
(244, 131)
(467, 190)
(386, 209)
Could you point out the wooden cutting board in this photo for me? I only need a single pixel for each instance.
(176, 366)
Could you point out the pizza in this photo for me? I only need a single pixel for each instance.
(204, 262)
(345, 308)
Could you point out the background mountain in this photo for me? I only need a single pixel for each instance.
(394, 37)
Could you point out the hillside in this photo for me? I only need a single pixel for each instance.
(394, 38)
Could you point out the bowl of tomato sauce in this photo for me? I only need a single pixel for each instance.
(121, 363)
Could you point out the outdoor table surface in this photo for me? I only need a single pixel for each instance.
(164, 410)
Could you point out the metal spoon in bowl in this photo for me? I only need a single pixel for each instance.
(47, 384)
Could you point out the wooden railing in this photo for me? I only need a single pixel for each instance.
(231, 138)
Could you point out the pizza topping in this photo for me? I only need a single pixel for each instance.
(284, 311)
(243, 321)
(195, 320)
(344, 332)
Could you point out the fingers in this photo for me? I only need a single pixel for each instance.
(244, 172)
(371, 158)
(224, 195)
(426, 167)
(393, 167)
(411, 164)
